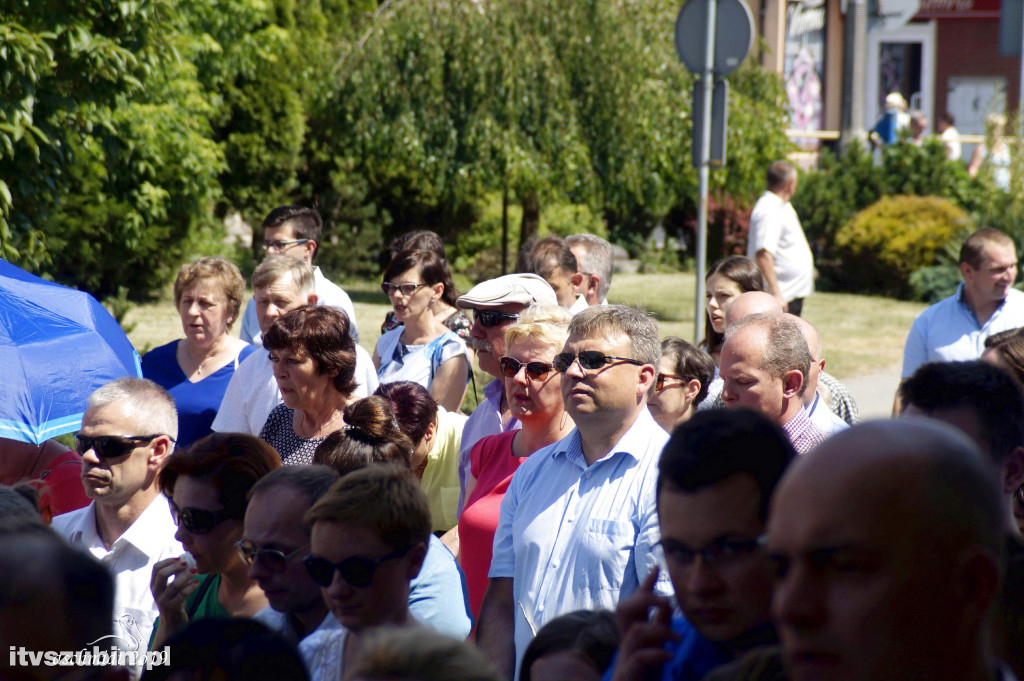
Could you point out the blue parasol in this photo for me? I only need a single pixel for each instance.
(57, 345)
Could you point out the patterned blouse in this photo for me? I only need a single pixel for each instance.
(279, 433)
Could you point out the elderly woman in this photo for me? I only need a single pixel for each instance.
(533, 391)
(437, 437)
(207, 486)
(683, 378)
(423, 349)
(314, 361)
(196, 369)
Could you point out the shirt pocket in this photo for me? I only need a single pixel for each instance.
(610, 545)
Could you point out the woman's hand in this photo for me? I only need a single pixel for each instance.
(170, 595)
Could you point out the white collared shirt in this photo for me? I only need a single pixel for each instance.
(130, 560)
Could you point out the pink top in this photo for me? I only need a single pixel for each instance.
(492, 464)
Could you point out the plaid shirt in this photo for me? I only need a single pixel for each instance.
(804, 435)
(840, 399)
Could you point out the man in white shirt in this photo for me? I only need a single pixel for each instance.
(295, 231)
(127, 434)
(777, 242)
(280, 284)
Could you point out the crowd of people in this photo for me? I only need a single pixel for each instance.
(618, 505)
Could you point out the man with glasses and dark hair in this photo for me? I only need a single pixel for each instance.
(716, 476)
(578, 523)
(496, 304)
(128, 431)
(295, 231)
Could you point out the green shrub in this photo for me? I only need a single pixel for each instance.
(884, 243)
(932, 284)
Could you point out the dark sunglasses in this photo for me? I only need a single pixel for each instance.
(197, 520)
(659, 383)
(407, 289)
(112, 446)
(491, 318)
(723, 552)
(357, 571)
(272, 559)
(589, 360)
(537, 371)
(281, 245)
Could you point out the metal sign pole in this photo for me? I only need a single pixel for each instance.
(707, 84)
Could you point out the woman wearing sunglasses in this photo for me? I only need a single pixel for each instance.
(369, 540)
(423, 349)
(683, 378)
(314, 360)
(533, 391)
(207, 486)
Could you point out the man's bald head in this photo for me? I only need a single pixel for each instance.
(867, 529)
(751, 302)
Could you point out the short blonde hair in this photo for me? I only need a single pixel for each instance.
(221, 272)
(542, 323)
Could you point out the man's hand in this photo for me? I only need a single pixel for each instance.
(643, 639)
(496, 627)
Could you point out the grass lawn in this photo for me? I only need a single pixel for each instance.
(859, 333)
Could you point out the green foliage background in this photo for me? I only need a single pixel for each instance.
(128, 130)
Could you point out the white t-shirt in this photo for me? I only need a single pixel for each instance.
(252, 392)
(951, 139)
(327, 293)
(775, 227)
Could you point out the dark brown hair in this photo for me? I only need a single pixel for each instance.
(432, 267)
(746, 274)
(412, 405)
(323, 333)
(370, 435)
(233, 462)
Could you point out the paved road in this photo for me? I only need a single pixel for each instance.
(874, 392)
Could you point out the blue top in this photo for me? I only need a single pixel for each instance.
(417, 363)
(197, 403)
(438, 595)
(948, 331)
(693, 656)
(579, 537)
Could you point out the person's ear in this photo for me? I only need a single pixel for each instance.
(310, 250)
(1013, 470)
(648, 375)
(692, 388)
(437, 290)
(312, 299)
(159, 450)
(428, 436)
(966, 270)
(792, 382)
(977, 585)
(577, 282)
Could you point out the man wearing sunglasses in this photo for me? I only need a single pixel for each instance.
(578, 524)
(716, 476)
(280, 285)
(295, 231)
(496, 304)
(127, 433)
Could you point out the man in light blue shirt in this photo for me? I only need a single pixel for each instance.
(955, 329)
(578, 524)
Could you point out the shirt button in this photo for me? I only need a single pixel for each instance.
(554, 563)
(588, 475)
(540, 608)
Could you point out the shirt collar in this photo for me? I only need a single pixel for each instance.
(493, 389)
(633, 443)
(150, 530)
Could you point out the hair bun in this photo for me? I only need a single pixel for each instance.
(370, 419)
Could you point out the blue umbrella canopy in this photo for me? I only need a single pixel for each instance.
(57, 345)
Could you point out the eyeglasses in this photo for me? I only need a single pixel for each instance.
(112, 446)
(537, 371)
(281, 245)
(589, 360)
(407, 289)
(722, 552)
(357, 570)
(197, 520)
(272, 559)
(659, 382)
(492, 318)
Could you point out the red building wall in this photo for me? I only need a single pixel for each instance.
(969, 47)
